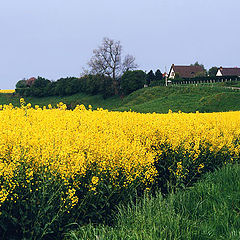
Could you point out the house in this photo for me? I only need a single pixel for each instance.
(185, 71)
(30, 81)
(228, 72)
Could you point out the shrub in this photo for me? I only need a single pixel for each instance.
(132, 81)
(21, 84)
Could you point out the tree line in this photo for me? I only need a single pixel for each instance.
(92, 84)
(110, 73)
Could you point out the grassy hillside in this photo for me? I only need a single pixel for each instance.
(184, 98)
(191, 98)
(209, 210)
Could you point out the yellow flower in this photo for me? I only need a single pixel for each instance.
(95, 180)
(66, 144)
(201, 166)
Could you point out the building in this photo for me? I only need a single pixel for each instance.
(30, 81)
(185, 71)
(228, 72)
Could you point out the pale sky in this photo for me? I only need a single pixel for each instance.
(55, 38)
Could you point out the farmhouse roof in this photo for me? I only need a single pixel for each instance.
(187, 71)
(30, 81)
(230, 71)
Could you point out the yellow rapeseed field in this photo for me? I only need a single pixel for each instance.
(120, 146)
(7, 91)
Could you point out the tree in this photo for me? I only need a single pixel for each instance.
(198, 64)
(204, 73)
(38, 87)
(132, 81)
(21, 84)
(128, 63)
(158, 76)
(150, 77)
(40, 82)
(107, 60)
(212, 71)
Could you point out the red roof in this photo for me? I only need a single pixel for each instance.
(30, 81)
(230, 71)
(187, 71)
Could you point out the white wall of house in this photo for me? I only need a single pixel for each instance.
(172, 74)
(219, 73)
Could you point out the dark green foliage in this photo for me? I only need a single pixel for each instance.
(50, 89)
(38, 87)
(108, 88)
(94, 84)
(66, 86)
(21, 84)
(200, 74)
(158, 79)
(158, 76)
(132, 81)
(40, 83)
(198, 64)
(212, 71)
(90, 84)
(150, 77)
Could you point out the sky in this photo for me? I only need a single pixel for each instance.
(56, 38)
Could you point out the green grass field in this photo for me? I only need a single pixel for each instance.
(191, 98)
(210, 210)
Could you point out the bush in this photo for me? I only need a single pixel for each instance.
(21, 84)
(132, 81)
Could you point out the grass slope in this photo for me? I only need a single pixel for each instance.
(209, 210)
(191, 98)
(184, 98)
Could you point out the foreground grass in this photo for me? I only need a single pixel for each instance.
(188, 98)
(209, 210)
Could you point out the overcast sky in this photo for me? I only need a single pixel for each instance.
(55, 38)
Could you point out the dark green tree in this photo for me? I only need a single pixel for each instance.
(132, 81)
(40, 82)
(21, 84)
(150, 77)
(94, 84)
(38, 87)
(212, 71)
(108, 88)
(158, 76)
(203, 73)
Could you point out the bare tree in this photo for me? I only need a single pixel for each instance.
(107, 60)
(128, 63)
